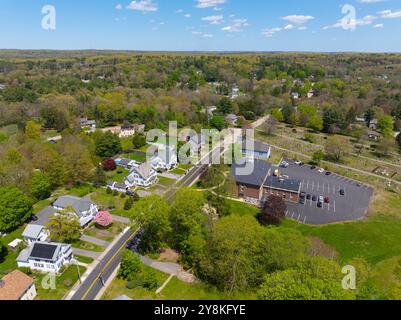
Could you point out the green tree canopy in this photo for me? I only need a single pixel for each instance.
(107, 145)
(40, 185)
(15, 208)
(64, 227)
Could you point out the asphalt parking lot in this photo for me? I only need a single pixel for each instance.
(353, 205)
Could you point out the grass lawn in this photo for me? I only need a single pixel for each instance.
(178, 171)
(83, 259)
(9, 263)
(102, 199)
(137, 157)
(376, 239)
(79, 244)
(64, 283)
(166, 181)
(105, 234)
(175, 290)
(118, 175)
(242, 209)
(126, 143)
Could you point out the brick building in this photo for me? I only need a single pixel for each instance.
(264, 180)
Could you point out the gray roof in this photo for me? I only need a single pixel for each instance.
(258, 175)
(23, 256)
(32, 231)
(43, 251)
(144, 170)
(291, 185)
(258, 146)
(78, 204)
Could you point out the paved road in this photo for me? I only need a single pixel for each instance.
(94, 282)
(121, 219)
(96, 241)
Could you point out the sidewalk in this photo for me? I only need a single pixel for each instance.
(93, 265)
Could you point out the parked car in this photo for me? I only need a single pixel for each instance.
(328, 173)
(284, 164)
(342, 192)
(327, 200)
(297, 162)
(308, 196)
(34, 218)
(320, 204)
(321, 199)
(313, 167)
(314, 198)
(302, 200)
(321, 170)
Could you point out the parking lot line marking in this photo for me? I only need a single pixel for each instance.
(299, 217)
(305, 220)
(292, 215)
(334, 203)
(286, 213)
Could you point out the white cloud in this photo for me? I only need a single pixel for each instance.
(143, 5)
(119, 6)
(188, 15)
(365, 21)
(389, 14)
(236, 25)
(378, 26)
(202, 4)
(271, 31)
(213, 19)
(298, 19)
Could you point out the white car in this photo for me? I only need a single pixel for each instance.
(321, 170)
(298, 162)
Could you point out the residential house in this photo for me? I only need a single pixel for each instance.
(127, 130)
(374, 135)
(295, 95)
(143, 176)
(256, 149)
(235, 92)
(264, 180)
(89, 125)
(45, 257)
(35, 233)
(17, 286)
(126, 163)
(373, 124)
(115, 186)
(232, 120)
(139, 128)
(195, 140)
(311, 93)
(113, 130)
(163, 157)
(83, 208)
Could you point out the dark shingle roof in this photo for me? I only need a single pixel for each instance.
(258, 175)
(282, 184)
(43, 251)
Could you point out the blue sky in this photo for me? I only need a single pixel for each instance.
(203, 25)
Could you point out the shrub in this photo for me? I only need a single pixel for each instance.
(109, 191)
(150, 280)
(109, 165)
(128, 204)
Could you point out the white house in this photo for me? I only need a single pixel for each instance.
(45, 257)
(373, 124)
(35, 233)
(142, 176)
(83, 208)
(235, 92)
(17, 286)
(88, 124)
(115, 186)
(164, 157)
(127, 130)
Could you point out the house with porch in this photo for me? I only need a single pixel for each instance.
(143, 176)
(83, 208)
(163, 157)
(35, 233)
(45, 257)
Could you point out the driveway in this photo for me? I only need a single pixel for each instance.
(121, 219)
(44, 216)
(86, 253)
(352, 206)
(96, 241)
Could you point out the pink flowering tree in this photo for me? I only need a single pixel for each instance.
(104, 219)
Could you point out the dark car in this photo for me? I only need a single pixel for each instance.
(342, 192)
(314, 198)
(308, 197)
(328, 173)
(319, 204)
(313, 167)
(302, 200)
(34, 218)
(327, 200)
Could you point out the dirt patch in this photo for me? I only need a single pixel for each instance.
(169, 255)
(319, 248)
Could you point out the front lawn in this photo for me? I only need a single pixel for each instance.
(118, 175)
(64, 283)
(166, 182)
(79, 244)
(241, 208)
(9, 263)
